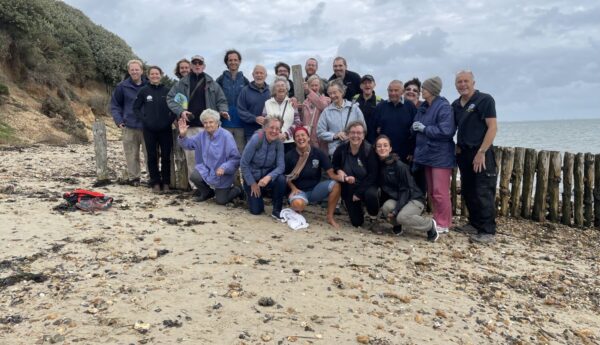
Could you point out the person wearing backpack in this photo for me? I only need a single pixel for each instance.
(262, 166)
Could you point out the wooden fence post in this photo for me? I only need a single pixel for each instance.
(597, 191)
(298, 83)
(453, 191)
(541, 187)
(179, 164)
(528, 178)
(567, 203)
(100, 148)
(508, 157)
(554, 186)
(498, 152)
(588, 197)
(578, 184)
(516, 181)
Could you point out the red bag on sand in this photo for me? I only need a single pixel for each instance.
(87, 200)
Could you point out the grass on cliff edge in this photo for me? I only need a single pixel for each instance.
(6, 134)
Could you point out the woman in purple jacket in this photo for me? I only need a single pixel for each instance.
(217, 158)
(435, 128)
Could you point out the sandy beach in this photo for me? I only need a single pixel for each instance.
(164, 269)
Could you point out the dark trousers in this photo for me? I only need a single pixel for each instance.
(277, 189)
(164, 140)
(355, 208)
(479, 189)
(222, 195)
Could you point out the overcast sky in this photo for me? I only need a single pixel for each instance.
(539, 59)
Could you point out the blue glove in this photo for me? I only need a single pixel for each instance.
(418, 127)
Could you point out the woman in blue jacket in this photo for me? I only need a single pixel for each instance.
(435, 128)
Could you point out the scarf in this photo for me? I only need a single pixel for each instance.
(302, 159)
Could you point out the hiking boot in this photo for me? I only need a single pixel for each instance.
(432, 234)
(483, 238)
(156, 188)
(166, 188)
(397, 229)
(205, 196)
(466, 229)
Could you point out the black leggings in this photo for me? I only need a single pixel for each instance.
(153, 140)
(355, 208)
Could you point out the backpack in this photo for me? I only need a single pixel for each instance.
(86, 200)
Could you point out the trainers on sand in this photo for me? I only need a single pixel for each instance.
(156, 188)
(432, 234)
(467, 229)
(397, 229)
(483, 238)
(442, 230)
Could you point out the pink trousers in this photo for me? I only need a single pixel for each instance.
(438, 187)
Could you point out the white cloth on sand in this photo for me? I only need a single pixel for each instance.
(294, 220)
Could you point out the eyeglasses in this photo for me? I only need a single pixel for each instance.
(415, 90)
(198, 62)
(356, 133)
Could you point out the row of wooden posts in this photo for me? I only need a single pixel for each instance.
(530, 186)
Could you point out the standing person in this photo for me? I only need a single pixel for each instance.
(367, 102)
(303, 169)
(356, 164)
(217, 158)
(200, 92)
(283, 70)
(121, 108)
(412, 91)
(263, 164)
(434, 127)
(182, 68)
(475, 117)
(311, 66)
(312, 107)
(351, 80)
(334, 119)
(251, 102)
(151, 108)
(232, 81)
(403, 201)
(281, 106)
(394, 118)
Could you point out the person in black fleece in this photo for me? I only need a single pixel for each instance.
(403, 202)
(151, 108)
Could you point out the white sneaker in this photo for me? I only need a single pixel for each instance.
(442, 230)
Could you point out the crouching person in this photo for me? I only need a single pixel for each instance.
(262, 167)
(217, 158)
(404, 201)
(303, 167)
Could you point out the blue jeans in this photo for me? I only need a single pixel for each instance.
(276, 186)
(319, 193)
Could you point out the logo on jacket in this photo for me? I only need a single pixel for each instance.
(149, 98)
(315, 163)
(360, 163)
(471, 108)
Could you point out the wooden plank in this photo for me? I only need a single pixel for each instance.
(528, 179)
(597, 191)
(100, 148)
(588, 190)
(567, 195)
(453, 191)
(554, 187)
(541, 187)
(498, 152)
(578, 189)
(508, 158)
(516, 181)
(298, 83)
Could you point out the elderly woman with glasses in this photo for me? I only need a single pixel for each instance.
(285, 108)
(262, 167)
(357, 165)
(217, 158)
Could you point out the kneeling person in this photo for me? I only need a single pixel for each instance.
(404, 201)
(217, 158)
(303, 168)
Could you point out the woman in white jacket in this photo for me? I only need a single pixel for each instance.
(284, 108)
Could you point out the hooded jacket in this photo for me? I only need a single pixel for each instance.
(397, 182)
(121, 103)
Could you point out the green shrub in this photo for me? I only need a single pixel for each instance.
(4, 91)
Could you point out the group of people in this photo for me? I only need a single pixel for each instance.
(342, 142)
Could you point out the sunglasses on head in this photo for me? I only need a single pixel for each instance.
(198, 62)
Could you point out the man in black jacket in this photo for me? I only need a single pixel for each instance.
(350, 79)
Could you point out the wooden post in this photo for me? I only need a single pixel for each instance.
(179, 164)
(464, 211)
(516, 181)
(597, 191)
(578, 185)
(588, 197)
(567, 203)
(453, 192)
(541, 187)
(498, 152)
(554, 187)
(100, 148)
(528, 178)
(508, 158)
(298, 83)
